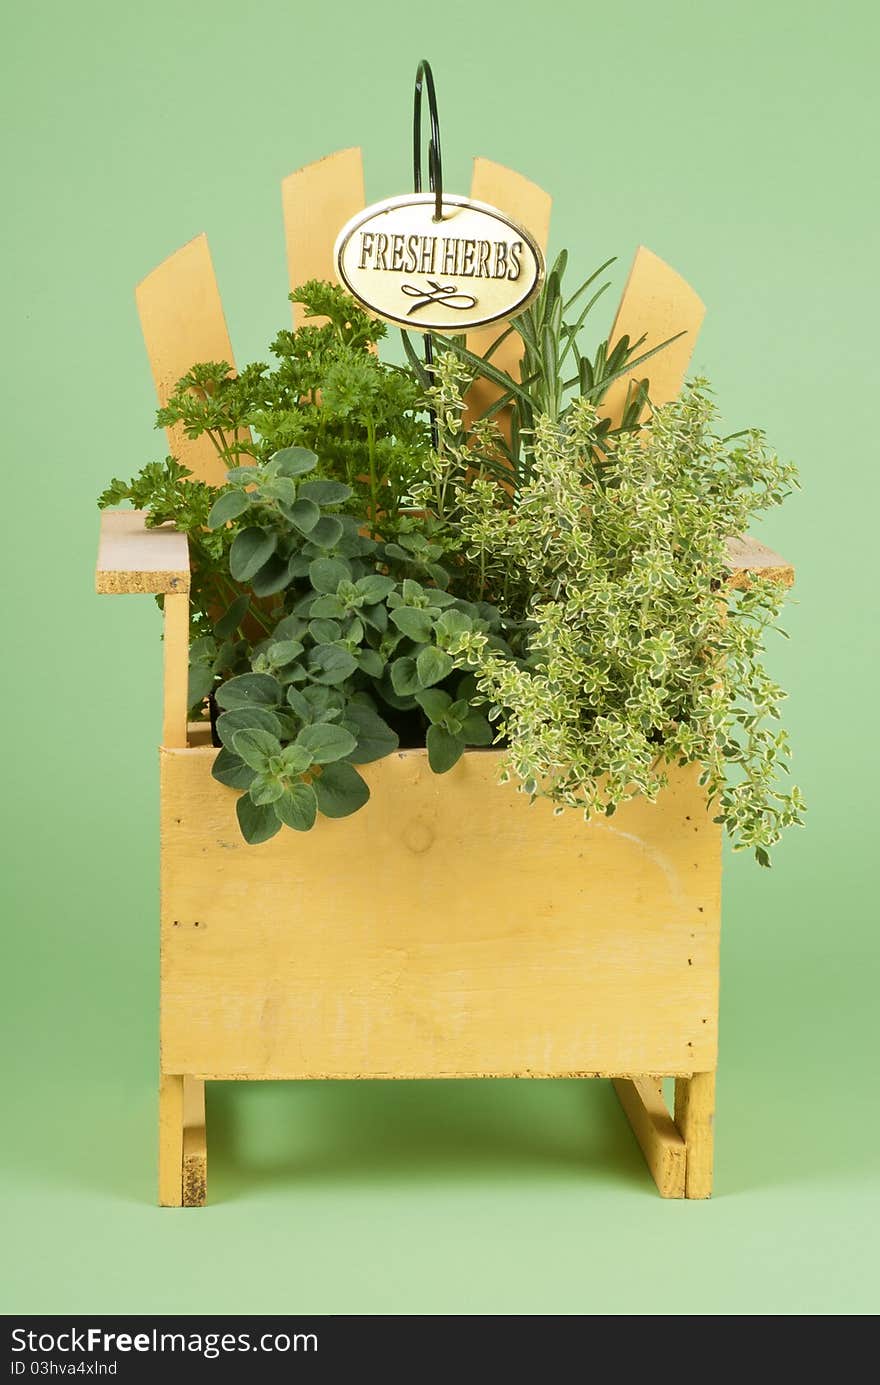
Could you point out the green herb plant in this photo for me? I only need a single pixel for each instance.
(558, 587)
(328, 392)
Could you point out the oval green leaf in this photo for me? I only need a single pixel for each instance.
(375, 738)
(257, 822)
(250, 550)
(414, 623)
(433, 665)
(370, 661)
(255, 747)
(325, 492)
(247, 719)
(250, 689)
(325, 574)
(266, 788)
(201, 681)
(404, 677)
(272, 577)
(434, 703)
(297, 807)
(232, 617)
(443, 750)
(228, 769)
(374, 587)
(326, 741)
(226, 507)
(327, 532)
(284, 652)
(330, 663)
(304, 514)
(294, 461)
(477, 730)
(340, 791)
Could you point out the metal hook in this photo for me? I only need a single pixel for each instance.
(435, 183)
(435, 158)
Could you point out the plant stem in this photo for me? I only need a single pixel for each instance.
(374, 480)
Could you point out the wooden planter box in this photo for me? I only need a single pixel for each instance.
(450, 928)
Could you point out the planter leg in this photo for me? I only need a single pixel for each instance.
(170, 1141)
(661, 1143)
(695, 1116)
(195, 1150)
(182, 1148)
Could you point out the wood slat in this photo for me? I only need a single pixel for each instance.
(170, 1140)
(198, 733)
(132, 558)
(695, 1118)
(748, 557)
(175, 643)
(523, 971)
(317, 201)
(183, 323)
(195, 1149)
(661, 1143)
(659, 303)
(530, 205)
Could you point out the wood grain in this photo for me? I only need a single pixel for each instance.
(170, 1140)
(747, 558)
(134, 559)
(494, 939)
(183, 323)
(176, 669)
(317, 201)
(660, 1142)
(195, 1151)
(695, 1118)
(658, 303)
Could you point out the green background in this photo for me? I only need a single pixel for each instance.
(737, 140)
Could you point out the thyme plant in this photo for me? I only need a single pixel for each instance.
(637, 651)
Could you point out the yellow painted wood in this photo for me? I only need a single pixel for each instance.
(747, 558)
(132, 558)
(530, 205)
(659, 303)
(195, 1152)
(583, 950)
(176, 665)
(660, 1142)
(170, 1141)
(183, 323)
(198, 733)
(317, 202)
(695, 1118)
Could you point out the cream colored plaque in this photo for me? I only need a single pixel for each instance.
(472, 267)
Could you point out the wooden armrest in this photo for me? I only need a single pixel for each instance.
(747, 556)
(133, 558)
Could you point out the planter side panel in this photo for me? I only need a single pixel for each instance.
(448, 929)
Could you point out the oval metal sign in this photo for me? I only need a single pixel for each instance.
(473, 267)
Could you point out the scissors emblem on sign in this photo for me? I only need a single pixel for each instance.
(446, 294)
